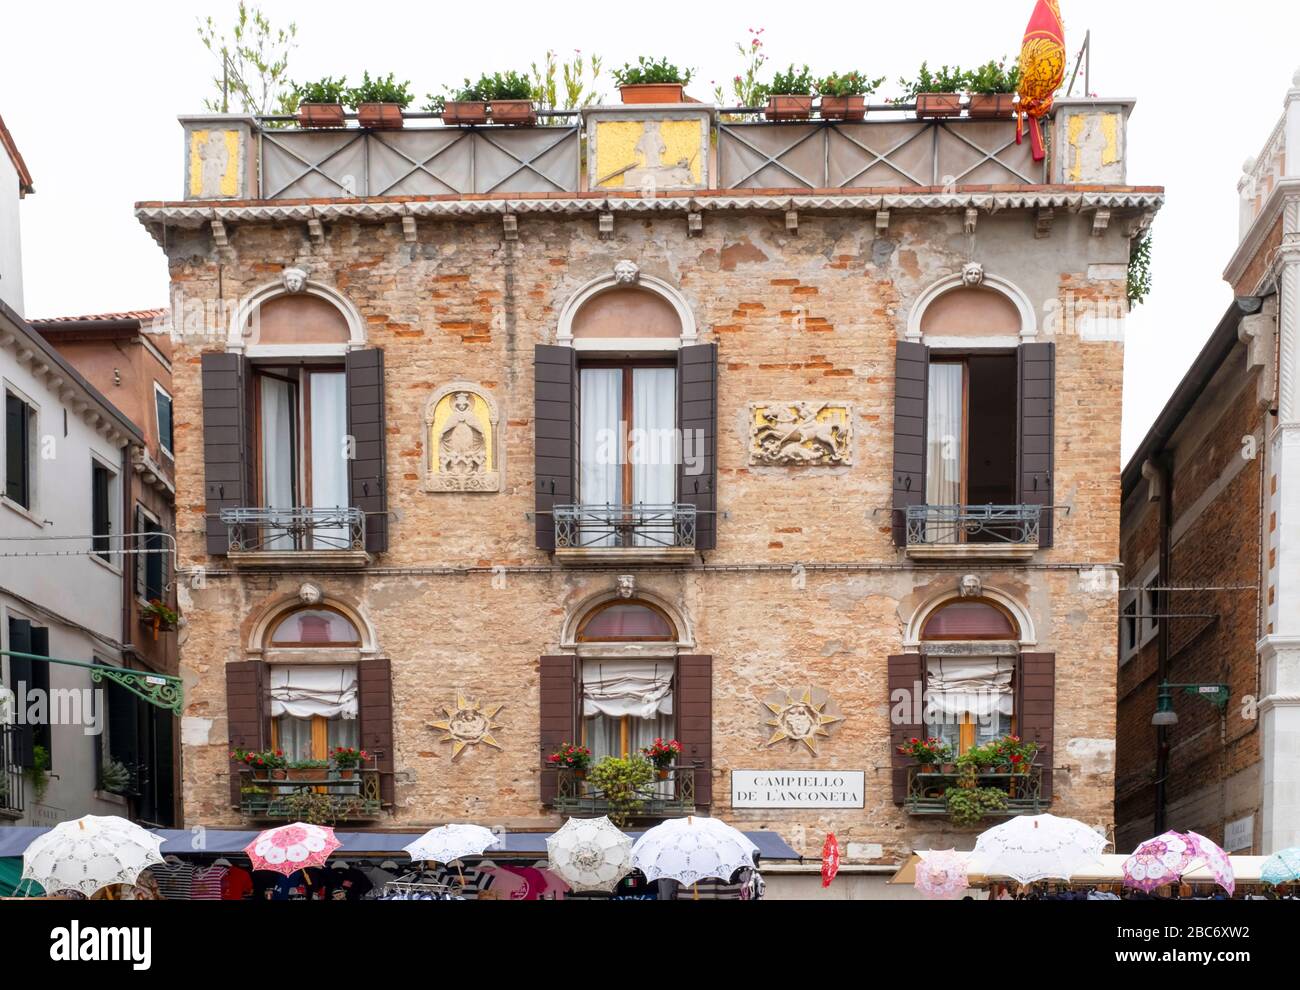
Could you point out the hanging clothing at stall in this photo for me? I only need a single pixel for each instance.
(175, 879)
(346, 884)
(208, 883)
(237, 885)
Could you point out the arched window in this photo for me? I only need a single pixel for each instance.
(313, 628)
(970, 695)
(313, 705)
(970, 619)
(627, 703)
(626, 622)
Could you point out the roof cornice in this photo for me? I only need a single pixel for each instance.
(1285, 191)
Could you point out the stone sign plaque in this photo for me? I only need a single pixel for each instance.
(808, 789)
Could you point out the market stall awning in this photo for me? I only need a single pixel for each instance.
(182, 842)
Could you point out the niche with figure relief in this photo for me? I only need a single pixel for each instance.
(462, 441)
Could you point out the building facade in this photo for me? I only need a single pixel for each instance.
(1210, 554)
(653, 435)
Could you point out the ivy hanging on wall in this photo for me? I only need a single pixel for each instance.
(1139, 271)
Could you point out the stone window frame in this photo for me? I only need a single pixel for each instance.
(251, 303)
(950, 283)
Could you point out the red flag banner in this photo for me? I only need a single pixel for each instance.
(830, 859)
(1042, 71)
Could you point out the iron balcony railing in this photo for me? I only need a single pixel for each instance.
(299, 529)
(670, 797)
(12, 802)
(952, 525)
(323, 794)
(593, 527)
(927, 790)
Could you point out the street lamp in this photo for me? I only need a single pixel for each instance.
(1215, 694)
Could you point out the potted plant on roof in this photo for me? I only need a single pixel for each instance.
(936, 94)
(510, 98)
(993, 89)
(379, 102)
(790, 95)
(320, 103)
(651, 81)
(844, 95)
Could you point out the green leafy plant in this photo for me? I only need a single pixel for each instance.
(326, 90)
(994, 77)
(1014, 752)
(38, 774)
(649, 70)
(1139, 271)
(348, 757)
(114, 777)
(578, 76)
(252, 58)
(791, 82)
(157, 611)
(309, 764)
(623, 783)
(848, 84)
(927, 752)
(498, 86)
(382, 89)
(946, 80)
(746, 90)
(968, 806)
(310, 806)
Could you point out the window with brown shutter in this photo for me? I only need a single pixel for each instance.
(367, 480)
(247, 712)
(1036, 709)
(558, 718)
(697, 419)
(1037, 432)
(375, 711)
(906, 715)
(227, 446)
(911, 382)
(693, 700)
(555, 431)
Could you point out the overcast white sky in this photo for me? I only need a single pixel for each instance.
(91, 92)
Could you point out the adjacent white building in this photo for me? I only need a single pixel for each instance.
(15, 184)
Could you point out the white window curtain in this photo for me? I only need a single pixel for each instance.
(295, 736)
(306, 692)
(601, 453)
(641, 689)
(329, 465)
(654, 442)
(974, 686)
(945, 436)
(278, 441)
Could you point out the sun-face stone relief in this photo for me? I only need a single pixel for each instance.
(462, 440)
(468, 722)
(801, 719)
(800, 434)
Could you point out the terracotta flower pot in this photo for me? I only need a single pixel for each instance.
(518, 112)
(653, 93)
(793, 106)
(991, 106)
(662, 773)
(380, 116)
(304, 773)
(933, 105)
(579, 774)
(844, 107)
(465, 112)
(345, 773)
(320, 115)
(279, 774)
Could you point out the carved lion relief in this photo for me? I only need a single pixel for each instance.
(462, 440)
(800, 434)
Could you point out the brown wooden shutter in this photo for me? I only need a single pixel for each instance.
(1036, 709)
(911, 399)
(1037, 428)
(248, 712)
(375, 711)
(693, 706)
(559, 706)
(697, 418)
(906, 703)
(227, 448)
(556, 435)
(367, 476)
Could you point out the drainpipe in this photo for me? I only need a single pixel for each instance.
(1164, 580)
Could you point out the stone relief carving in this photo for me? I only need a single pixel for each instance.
(468, 722)
(801, 434)
(801, 719)
(972, 274)
(294, 280)
(627, 273)
(309, 594)
(971, 586)
(626, 585)
(462, 440)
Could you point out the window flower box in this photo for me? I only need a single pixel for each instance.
(639, 93)
(931, 106)
(517, 112)
(320, 115)
(843, 107)
(457, 112)
(789, 106)
(380, 116)
(992, 106)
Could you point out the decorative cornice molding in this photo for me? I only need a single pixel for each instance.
(1286, 192)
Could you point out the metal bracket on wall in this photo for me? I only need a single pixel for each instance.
(160, 690)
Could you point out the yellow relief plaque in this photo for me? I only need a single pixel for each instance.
(653, 153)
(462, 448)
(215, 165)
